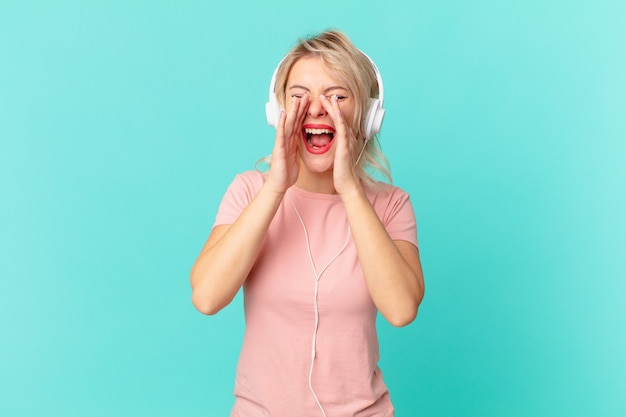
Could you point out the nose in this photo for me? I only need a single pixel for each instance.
(315, 107)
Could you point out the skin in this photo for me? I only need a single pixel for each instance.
(392, 269)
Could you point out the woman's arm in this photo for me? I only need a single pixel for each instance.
(231, 250)
(392, 269)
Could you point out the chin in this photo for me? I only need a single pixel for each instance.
(318, 164)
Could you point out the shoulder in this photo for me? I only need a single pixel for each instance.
(381, 191)
(390, 202)
(244, 187)
(251, 178)
(247, 183)
(241, 191)
(395, 210)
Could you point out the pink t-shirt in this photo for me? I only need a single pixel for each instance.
(279, 298)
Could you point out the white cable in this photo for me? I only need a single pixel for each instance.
(315, 293)
(361, 153)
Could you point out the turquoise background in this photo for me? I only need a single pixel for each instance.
(122, 123)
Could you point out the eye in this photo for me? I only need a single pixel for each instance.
(297, 95)
(339, 97)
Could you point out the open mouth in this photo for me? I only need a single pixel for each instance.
(318, 140)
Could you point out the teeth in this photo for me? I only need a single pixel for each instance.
(317, 131)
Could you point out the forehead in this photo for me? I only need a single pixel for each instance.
(313, 71)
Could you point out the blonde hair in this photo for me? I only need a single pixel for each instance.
(351, 66)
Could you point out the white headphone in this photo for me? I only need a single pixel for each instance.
(373, 115)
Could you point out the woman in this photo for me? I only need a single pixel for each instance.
(318, 246)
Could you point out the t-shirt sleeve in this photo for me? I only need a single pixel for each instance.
(239, 194)
(398, 217)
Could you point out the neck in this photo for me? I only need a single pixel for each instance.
(322, 183)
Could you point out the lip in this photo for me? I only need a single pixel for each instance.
(309, 148)
(317, 126)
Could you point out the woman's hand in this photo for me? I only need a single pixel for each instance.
(345, 176)
(283, 171)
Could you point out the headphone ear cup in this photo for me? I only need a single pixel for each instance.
(272, 111)
(373, 118)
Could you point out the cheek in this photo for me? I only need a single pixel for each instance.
(348, 113)
(348, 107)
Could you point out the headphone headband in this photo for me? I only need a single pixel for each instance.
(373, 114)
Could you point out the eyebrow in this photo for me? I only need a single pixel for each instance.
(334, 87)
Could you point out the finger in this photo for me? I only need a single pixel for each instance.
(302, 109)
(280, 128)
(281, 120)
(297, 113)
(291, 115)
(331, 108)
